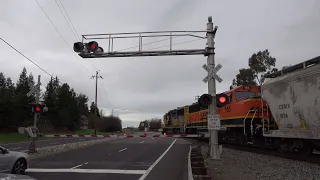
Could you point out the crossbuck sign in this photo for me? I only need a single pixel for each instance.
(34, 89)
(212, 73)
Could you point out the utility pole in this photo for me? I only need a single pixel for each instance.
(112, 113)
(97, 76)
(214, 147)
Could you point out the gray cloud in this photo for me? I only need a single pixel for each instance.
(146, 87)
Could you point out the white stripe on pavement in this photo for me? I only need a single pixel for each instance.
(100, 171)
(156, 162)
(77, 166)
(15, 148)
(123, 149)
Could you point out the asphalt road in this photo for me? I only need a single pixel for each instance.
(123, 159)
(23, 146)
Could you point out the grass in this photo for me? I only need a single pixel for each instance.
(12, 137)
(15, 137)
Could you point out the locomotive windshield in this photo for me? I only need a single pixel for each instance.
(245, 95)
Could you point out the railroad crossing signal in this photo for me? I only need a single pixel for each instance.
(92, 47)
(212, 73)
(39, 108)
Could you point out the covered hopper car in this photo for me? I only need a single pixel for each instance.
(293, 95)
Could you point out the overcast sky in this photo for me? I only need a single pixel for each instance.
(145, 87)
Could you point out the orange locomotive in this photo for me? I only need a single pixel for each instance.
(241, 119)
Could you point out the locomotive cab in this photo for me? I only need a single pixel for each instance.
(245, 116)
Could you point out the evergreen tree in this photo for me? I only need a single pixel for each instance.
(23, 114)
(65, 106)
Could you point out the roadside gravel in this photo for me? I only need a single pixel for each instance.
(50, 150)
(235, 164)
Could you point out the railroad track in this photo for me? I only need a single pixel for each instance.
(313, 158)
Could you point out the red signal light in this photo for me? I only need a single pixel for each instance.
(222, 99)
(38, 109)
(92, 46)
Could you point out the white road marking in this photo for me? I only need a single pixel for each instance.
(123, 149)
(15, 148)
(86, 163)
(77, 166)
(142, 142)
(156, 162)
(190, 176)
(101, 171)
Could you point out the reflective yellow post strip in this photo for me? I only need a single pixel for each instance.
(303, 124)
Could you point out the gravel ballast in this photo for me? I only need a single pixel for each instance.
(50, 150)
(241, 165)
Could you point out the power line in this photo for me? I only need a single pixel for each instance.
(66, 20)
(104, 90)
(29, 59)
(59, 33)
(62, 36)
(73, 29)
(26, 57)
(69, 19)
